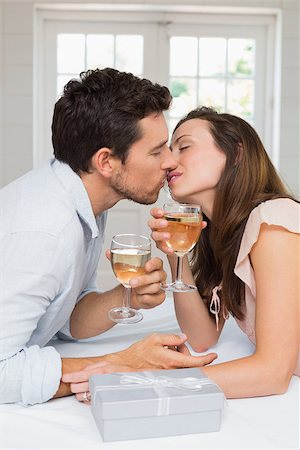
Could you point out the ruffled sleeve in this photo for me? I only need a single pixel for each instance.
(282, 212)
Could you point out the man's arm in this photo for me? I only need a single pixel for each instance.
(150, 353)
(70, 365)
(90, 316)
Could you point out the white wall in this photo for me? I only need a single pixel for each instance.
(16, 82)
(1, 94)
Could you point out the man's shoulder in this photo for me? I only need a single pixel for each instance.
(36, 202)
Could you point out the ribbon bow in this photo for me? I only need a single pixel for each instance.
(191, 383)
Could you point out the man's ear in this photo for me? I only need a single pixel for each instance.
(104, 162)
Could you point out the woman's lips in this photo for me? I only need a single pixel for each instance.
(173, 176)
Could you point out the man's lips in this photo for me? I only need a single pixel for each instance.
(172, 176)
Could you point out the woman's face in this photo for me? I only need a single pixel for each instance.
(200, 164)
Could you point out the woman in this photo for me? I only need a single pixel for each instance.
(246, 262)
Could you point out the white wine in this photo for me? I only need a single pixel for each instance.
(184, 229)
(128, 263)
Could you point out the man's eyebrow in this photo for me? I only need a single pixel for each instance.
(159, 145)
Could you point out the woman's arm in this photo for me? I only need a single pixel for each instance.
(192, 313)
(275, 261)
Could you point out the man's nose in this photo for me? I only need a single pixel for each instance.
(169, 162)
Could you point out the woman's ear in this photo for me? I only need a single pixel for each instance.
(103, 162)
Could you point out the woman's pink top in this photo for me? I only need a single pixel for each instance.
(282, 212)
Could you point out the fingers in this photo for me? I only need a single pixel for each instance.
(194, 361)
(159, 229)
(159, 233)
(81, 398)
(108, 254)
(160, 239)
(157, 224)
(181, 358)
(75, 377)
(149, 290)
(183, 349)
(153, 264)
(154, 297)
(157, 277)
(157, 212)
(83, 375)
(154, 274)
(79, 387)
(169, 340)
(209, 358)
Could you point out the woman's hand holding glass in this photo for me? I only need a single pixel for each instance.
(176, 228)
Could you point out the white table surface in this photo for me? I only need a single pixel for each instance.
(255, 423)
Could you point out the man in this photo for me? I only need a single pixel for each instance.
(109, 137)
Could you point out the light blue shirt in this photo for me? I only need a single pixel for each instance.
(50, 244)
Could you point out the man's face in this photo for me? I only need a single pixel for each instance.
(148, 162)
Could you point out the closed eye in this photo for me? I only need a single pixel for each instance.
(183, 148)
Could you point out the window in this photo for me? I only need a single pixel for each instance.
(220, 60)
(79, 52)
(225, 81)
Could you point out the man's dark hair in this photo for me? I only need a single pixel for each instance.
(102, 109)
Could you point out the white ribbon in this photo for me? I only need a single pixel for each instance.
(215, 304)
(160, 383)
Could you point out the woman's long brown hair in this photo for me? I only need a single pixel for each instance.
(248, 179)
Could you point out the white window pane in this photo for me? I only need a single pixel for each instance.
(61, 81)
(183, 56)
(70, 53)
(241, 57)
(212, 56)
(212, 93)
(184, 92)
(172, 124)
(100, 51)
(129, 53)
(241, 98)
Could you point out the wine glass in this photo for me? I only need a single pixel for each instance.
(129, 254)
(184, 226)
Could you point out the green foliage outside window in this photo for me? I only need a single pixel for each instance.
(178, 88)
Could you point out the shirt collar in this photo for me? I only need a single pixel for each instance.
(77, 192)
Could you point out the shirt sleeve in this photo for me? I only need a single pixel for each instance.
(28, 284)
(30, 376)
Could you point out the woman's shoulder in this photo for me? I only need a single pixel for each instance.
(283, 212)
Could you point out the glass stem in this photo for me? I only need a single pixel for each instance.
(179, 270)
(126, 298)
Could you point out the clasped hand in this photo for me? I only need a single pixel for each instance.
(154, 352)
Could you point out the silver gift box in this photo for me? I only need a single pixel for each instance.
(140, 405)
